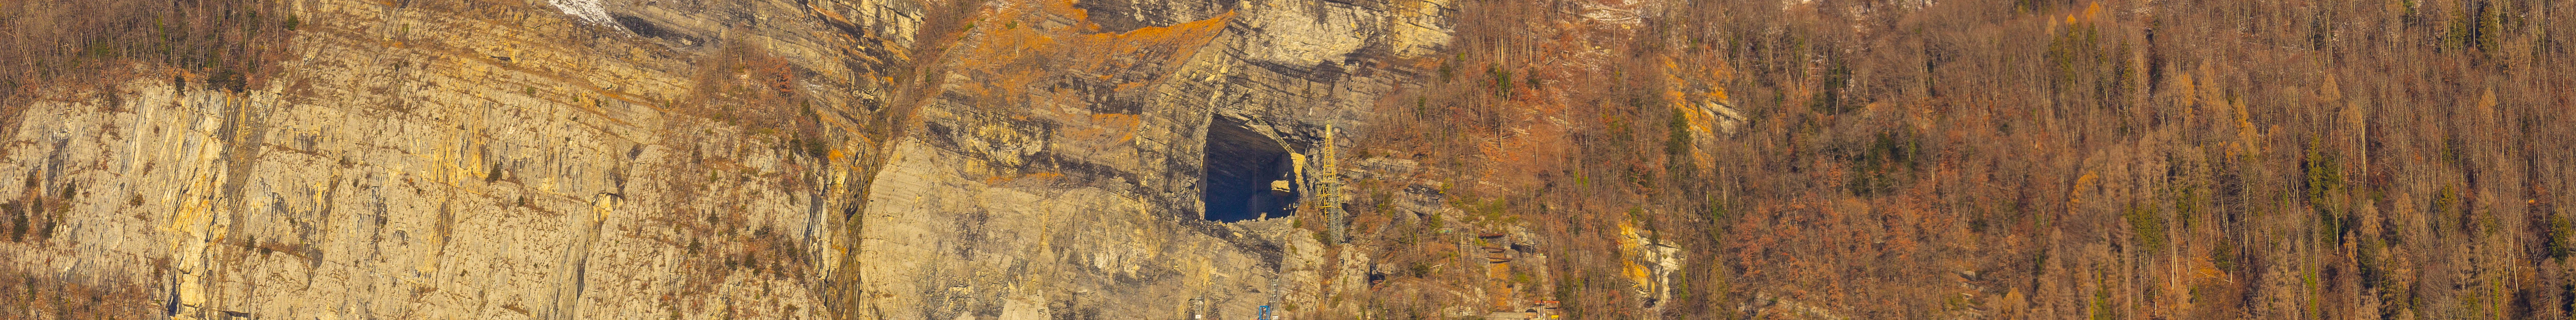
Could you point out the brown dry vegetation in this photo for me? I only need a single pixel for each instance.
(73, 49)
(745, 86)
(27, 296)
(34, 216)
(2029, 159)
(1560, 123)
(220, 44)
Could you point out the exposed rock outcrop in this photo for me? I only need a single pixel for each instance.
(685, 159)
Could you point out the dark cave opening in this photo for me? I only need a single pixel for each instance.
(1247, 174)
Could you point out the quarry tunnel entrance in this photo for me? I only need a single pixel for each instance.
(1247, 174)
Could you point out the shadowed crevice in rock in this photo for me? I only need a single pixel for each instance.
(1119, 16)
(1242, 168)
(647, 28)
(1112, 15)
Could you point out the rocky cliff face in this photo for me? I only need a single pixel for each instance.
(747, 159)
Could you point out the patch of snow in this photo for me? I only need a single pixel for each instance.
(587, 11)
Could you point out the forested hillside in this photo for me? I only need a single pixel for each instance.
(2027, 159)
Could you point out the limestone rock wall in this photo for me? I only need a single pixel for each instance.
(1077, 192)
